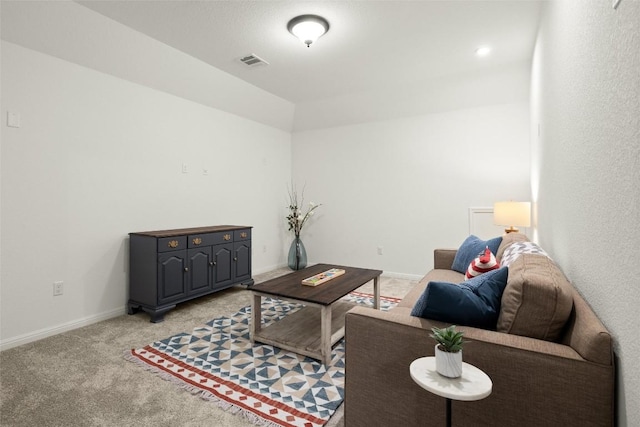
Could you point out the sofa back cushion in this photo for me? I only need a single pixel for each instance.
(537, 300)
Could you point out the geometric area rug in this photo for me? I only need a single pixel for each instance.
(267, 385)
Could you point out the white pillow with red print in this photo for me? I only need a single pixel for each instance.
(485, 261)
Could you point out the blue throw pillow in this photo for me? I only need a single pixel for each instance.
(489, 287)
(470, 249)
(475, 302)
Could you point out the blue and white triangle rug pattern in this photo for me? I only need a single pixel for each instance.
(268, 385)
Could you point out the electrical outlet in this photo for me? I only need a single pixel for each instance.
(264, 248)
(380, 251)
(185, 168)
(58, 288)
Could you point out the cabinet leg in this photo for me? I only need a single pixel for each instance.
(132, 308)
(157, 315)
(256, 316)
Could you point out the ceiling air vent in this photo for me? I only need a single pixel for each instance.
(253, 60)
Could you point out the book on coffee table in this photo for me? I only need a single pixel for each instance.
(323, 277)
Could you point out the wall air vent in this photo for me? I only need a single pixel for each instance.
(253, 60)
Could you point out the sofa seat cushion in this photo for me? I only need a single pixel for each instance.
(435, 275)
(537, 300)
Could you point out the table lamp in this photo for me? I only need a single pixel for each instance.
(512, 214)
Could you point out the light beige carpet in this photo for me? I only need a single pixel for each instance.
(80, 378)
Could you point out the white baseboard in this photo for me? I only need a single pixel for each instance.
(257, 271)
(55, 330)
(86, 321)
(404, 276)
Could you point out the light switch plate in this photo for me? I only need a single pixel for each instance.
(13, 119)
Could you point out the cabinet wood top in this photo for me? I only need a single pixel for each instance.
(195, 230)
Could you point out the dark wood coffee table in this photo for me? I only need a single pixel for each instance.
(314, 329)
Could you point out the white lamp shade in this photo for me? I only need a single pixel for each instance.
(512, 213)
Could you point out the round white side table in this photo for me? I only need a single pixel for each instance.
(472, 385)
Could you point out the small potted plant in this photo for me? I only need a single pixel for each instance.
(448, 351)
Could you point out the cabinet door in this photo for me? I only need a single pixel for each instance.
(242, 260)
(172, 276)
(200, 270)
(222, 258)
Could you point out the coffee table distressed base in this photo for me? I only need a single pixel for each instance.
(311, 331)
(314, 329)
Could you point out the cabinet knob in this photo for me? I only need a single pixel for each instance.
(235, 258)
(186, 269)
(212, 263)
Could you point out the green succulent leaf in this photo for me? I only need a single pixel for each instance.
(451, 340)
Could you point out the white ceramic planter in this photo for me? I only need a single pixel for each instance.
(448, 364)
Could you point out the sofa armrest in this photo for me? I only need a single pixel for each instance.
(443, 258)
(532, 379)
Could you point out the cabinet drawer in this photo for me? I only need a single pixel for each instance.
(239, 235)
(209, 239)
(199, 240)
(222, 237)
(166, 244)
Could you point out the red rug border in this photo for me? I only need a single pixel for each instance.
(231, 385)
(160, 366)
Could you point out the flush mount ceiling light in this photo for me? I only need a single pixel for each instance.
(483, 51)
(308, 28)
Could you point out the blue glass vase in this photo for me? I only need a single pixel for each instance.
(297, 255)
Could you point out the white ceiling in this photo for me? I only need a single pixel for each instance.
(371, 44)
(380, 60)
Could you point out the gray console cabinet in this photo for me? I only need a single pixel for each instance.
(167, 267)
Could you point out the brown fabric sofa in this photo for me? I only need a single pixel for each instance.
(546, 370)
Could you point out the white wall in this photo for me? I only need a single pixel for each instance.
(98, 157)
(407, 184)
(504, 84)
(586, 169)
